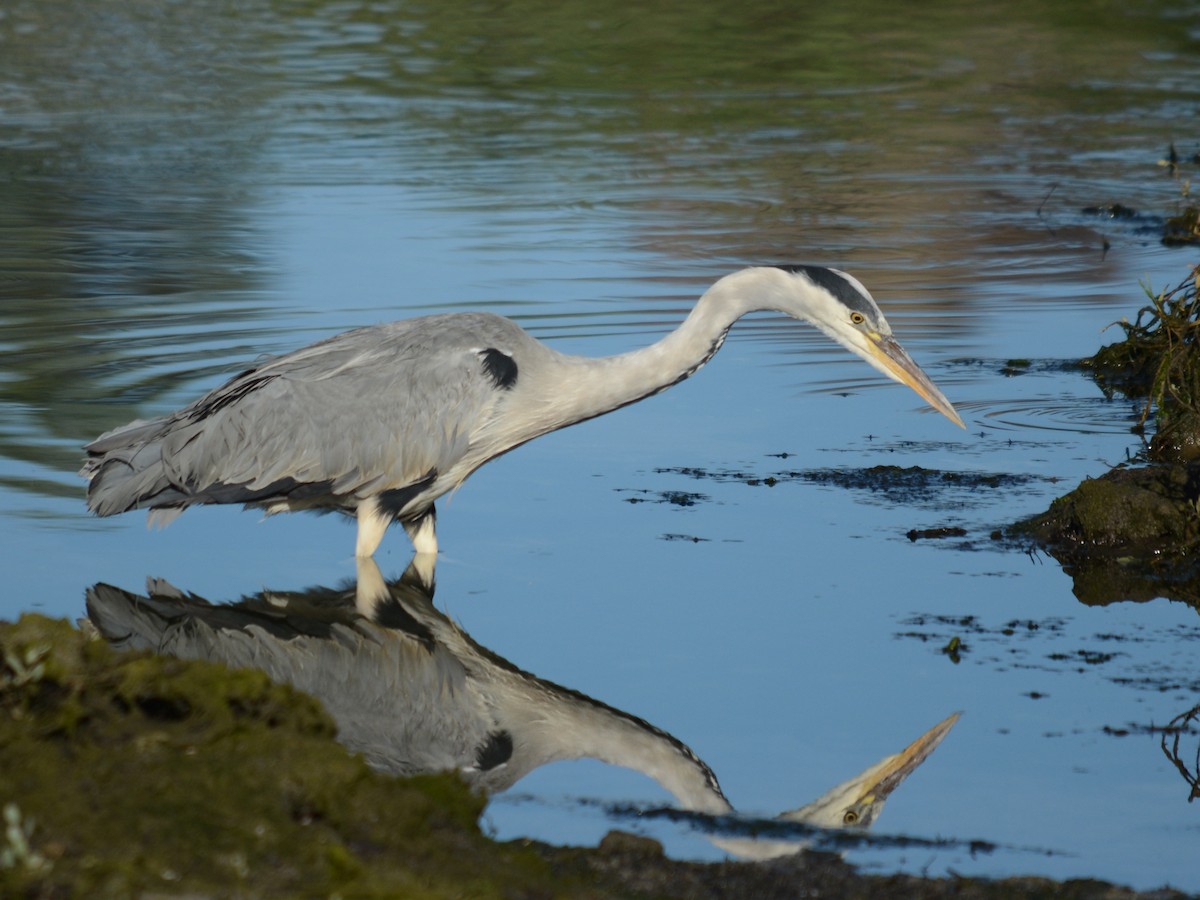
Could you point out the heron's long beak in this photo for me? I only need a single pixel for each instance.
(885, 776)
(856, 802)
(893, 359)
(852, 804)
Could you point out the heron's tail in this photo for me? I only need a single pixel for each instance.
(125, 470)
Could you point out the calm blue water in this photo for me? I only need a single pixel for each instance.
(232, 184)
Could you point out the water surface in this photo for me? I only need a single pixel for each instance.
(186, 187)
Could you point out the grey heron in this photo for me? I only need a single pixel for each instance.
(413, 693)
(379, 422)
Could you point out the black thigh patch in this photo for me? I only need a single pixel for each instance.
(394, 501)
(500, 367)
(497, 749)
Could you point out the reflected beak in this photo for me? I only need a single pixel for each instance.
(887, 353)
(856, 803)
(885, 776)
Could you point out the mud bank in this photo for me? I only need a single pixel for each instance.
(1134, 532)
(130, 774)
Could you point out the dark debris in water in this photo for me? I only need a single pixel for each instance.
(911, 482)
(736, 826)
(945, 531)
(1019, 365)
(954, 649)
(902, 485)
(674, 498)
(1185, 759)
(1177, 230)
(1035, 645)
(1112, 211)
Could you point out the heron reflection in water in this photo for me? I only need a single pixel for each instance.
(413, 693)
(380, 422)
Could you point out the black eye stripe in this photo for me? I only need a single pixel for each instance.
(837, 285)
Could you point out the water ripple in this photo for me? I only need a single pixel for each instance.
(1076, 415)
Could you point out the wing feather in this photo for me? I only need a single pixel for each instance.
(369, 410)
(364, 419)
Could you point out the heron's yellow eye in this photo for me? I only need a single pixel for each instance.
(857, 318)
(851, 816)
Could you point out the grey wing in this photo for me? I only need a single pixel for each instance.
(353, 423)
(371, 410)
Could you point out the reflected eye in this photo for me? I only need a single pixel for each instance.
(851, 817)
(857, 318)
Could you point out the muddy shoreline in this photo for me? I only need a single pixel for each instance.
(1133, 533)
(133, 774)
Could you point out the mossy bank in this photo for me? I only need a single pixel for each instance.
(1134, 532)
(139, 775)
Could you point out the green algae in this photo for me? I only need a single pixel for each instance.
(1127, 511)
(149, 774)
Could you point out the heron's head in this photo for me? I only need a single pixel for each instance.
(840, 306)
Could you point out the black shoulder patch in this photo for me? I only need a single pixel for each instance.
(496, 750)
(500, 367)
(845, 292)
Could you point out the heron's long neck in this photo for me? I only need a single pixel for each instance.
(562, 725)
(591, 387)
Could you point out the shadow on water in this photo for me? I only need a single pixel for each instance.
(414, 694)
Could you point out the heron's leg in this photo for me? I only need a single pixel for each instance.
(422, 570)
(370, 590)
(372, 523)
(423, 532)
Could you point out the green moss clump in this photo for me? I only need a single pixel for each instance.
(1183, 228)
(1127, 511)
(1131, 534)
(1135, 533)
(133, 773)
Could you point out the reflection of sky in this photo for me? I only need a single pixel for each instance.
(770, 645)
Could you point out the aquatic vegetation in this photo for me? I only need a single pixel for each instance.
(25, 667)
(1186, 724)
(1183, 227)
(1134, 533)
(1160, 361)
(17, 851)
